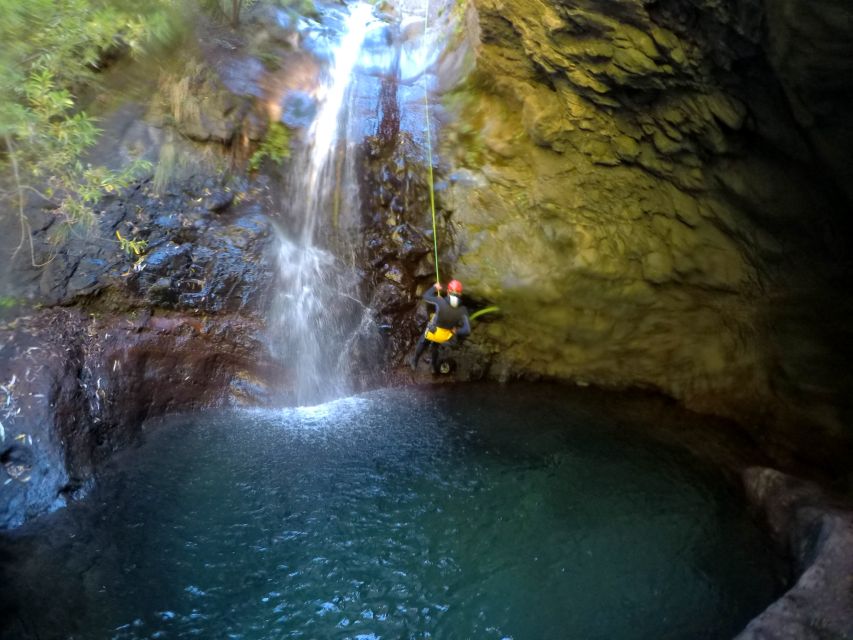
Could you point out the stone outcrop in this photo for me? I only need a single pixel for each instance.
(124, 337)
(77, 387)
(817, 534)
(194, 257)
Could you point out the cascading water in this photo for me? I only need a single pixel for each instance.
(316, 307)
(372, 87)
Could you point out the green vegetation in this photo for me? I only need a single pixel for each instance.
(233, 9)
(275, 146)
(131, 247)
(51, 53)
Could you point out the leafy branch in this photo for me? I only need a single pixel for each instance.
(50, 51)
(131, 246)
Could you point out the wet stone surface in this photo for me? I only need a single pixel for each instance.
(74, 388)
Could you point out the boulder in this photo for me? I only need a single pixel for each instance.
(816, 532)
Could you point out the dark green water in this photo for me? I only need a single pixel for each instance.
(461, 512)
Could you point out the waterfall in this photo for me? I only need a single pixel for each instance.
(316, 305)
(377, 73)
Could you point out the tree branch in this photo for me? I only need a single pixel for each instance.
(26, 231)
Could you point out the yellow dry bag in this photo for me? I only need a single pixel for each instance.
(438, 334)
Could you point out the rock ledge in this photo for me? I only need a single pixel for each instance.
(817, 534)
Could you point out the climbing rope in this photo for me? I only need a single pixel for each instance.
(429, 157)
(431, 180)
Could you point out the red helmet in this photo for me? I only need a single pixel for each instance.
(454, 287)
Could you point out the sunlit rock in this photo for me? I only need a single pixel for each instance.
(639, 180)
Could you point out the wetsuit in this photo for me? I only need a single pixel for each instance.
(448, 324)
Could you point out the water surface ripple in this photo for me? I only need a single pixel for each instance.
(478, 512)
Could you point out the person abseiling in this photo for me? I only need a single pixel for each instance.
(448, 323)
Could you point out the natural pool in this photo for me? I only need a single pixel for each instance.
(455, 512)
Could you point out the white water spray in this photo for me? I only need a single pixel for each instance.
(316, 306)
(319, 326)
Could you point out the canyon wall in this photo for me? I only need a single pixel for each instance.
(654, 194)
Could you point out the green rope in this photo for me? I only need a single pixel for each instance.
(482, 312)
(429, 158)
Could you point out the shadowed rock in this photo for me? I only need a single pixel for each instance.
(817, 534)
(76, 388)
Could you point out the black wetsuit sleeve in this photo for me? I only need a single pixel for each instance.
(465, 329)
(431, 295)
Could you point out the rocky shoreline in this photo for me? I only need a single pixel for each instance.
(816, 533)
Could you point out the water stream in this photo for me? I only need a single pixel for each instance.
(317, 310)
(317, 298)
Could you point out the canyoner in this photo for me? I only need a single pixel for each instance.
(450, 323)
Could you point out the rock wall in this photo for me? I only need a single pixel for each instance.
(78, 386)
(629, 182)
(809, 46)
(816, 533)
(121, 338)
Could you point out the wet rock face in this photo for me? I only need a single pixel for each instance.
(397, 247)
(77, 386)
(629, 183)
(196, 255)
(124, 337)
